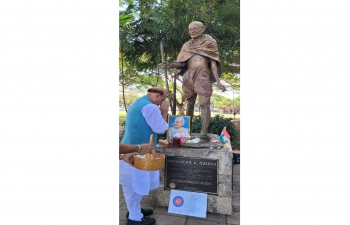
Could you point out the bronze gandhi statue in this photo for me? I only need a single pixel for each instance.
(199, 58)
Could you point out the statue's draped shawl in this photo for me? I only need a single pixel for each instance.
(207, 48)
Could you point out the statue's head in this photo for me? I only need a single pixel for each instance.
(196, 29)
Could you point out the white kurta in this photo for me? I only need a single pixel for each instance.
(141, 181)
(136, 183)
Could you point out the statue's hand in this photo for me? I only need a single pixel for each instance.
(165, 65)
(221, 87)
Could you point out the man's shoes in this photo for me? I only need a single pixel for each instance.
(145, 212)
(144, 221)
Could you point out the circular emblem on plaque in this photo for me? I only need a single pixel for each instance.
(178, 201)
(172, 185)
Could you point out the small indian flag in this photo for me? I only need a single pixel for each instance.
(224, 136)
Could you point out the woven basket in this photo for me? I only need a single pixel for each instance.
(149, 163)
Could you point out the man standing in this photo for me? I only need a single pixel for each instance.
(146, 116)
(199, 57)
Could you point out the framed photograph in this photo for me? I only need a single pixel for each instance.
(179, 126)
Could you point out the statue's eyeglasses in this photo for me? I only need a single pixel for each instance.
(194, 29)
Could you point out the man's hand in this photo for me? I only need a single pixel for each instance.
(146, 148)
(221, 87)
(164, 108)
(129, 158)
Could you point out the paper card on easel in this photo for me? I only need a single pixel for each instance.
(188, 203)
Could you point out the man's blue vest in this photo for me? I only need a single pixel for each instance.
(137, 131)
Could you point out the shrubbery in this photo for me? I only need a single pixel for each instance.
(216, 124)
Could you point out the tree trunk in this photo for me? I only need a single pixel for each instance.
(233, 98)
(173, 109)
(165, 73)
(123, 81)
(179, 105)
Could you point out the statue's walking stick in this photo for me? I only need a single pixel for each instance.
(172, 106)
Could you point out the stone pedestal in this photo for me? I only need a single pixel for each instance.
(218, 203)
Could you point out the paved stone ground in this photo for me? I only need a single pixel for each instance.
(164, 218)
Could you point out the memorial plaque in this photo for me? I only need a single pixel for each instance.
(191, 174)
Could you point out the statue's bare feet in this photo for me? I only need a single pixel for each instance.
(205, 138)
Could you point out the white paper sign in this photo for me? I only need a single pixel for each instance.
(188, 203)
